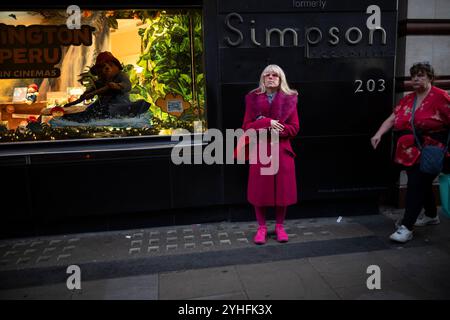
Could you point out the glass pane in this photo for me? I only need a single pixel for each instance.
(123, 73)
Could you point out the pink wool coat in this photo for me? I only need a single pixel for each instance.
(279, 189)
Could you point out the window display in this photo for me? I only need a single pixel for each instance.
(123, 73)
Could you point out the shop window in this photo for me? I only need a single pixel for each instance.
(55, 82)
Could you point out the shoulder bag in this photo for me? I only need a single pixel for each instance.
(432, 157)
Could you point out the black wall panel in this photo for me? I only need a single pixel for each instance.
(345, 89)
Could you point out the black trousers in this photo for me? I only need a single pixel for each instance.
(419, 195)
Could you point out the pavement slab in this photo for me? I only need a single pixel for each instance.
(325, 259)
(284, 280)
(199, 284)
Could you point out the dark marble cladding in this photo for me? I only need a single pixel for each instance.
(326, 168)
(246, 65)
(324, 108)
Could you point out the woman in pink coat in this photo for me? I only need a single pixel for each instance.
(272, 107)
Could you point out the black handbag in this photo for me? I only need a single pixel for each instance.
(432, 157)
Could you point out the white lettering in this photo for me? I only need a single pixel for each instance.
(74, 19)
(267, 154)
(309, 4)
(374, 281)
(206, 311)
(215, 147)
(73, 281)
(181, 153)
(374, 21)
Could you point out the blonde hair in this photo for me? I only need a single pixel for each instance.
(284, 86)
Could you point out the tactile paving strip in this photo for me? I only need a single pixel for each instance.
(224, 236)
(37, 252)
(121, 245)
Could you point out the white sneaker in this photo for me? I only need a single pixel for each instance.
(402, 234)
(424, 220)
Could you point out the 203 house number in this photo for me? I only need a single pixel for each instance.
(371, 85)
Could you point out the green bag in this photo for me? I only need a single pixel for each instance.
(444, 188)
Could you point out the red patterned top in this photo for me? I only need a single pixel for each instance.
(433, 115)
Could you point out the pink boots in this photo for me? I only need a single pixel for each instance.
(260, 237)
(261, 234)
(281, 234)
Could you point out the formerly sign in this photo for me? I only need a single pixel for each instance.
(33, 51)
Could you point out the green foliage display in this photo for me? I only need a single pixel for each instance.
(172, 63)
